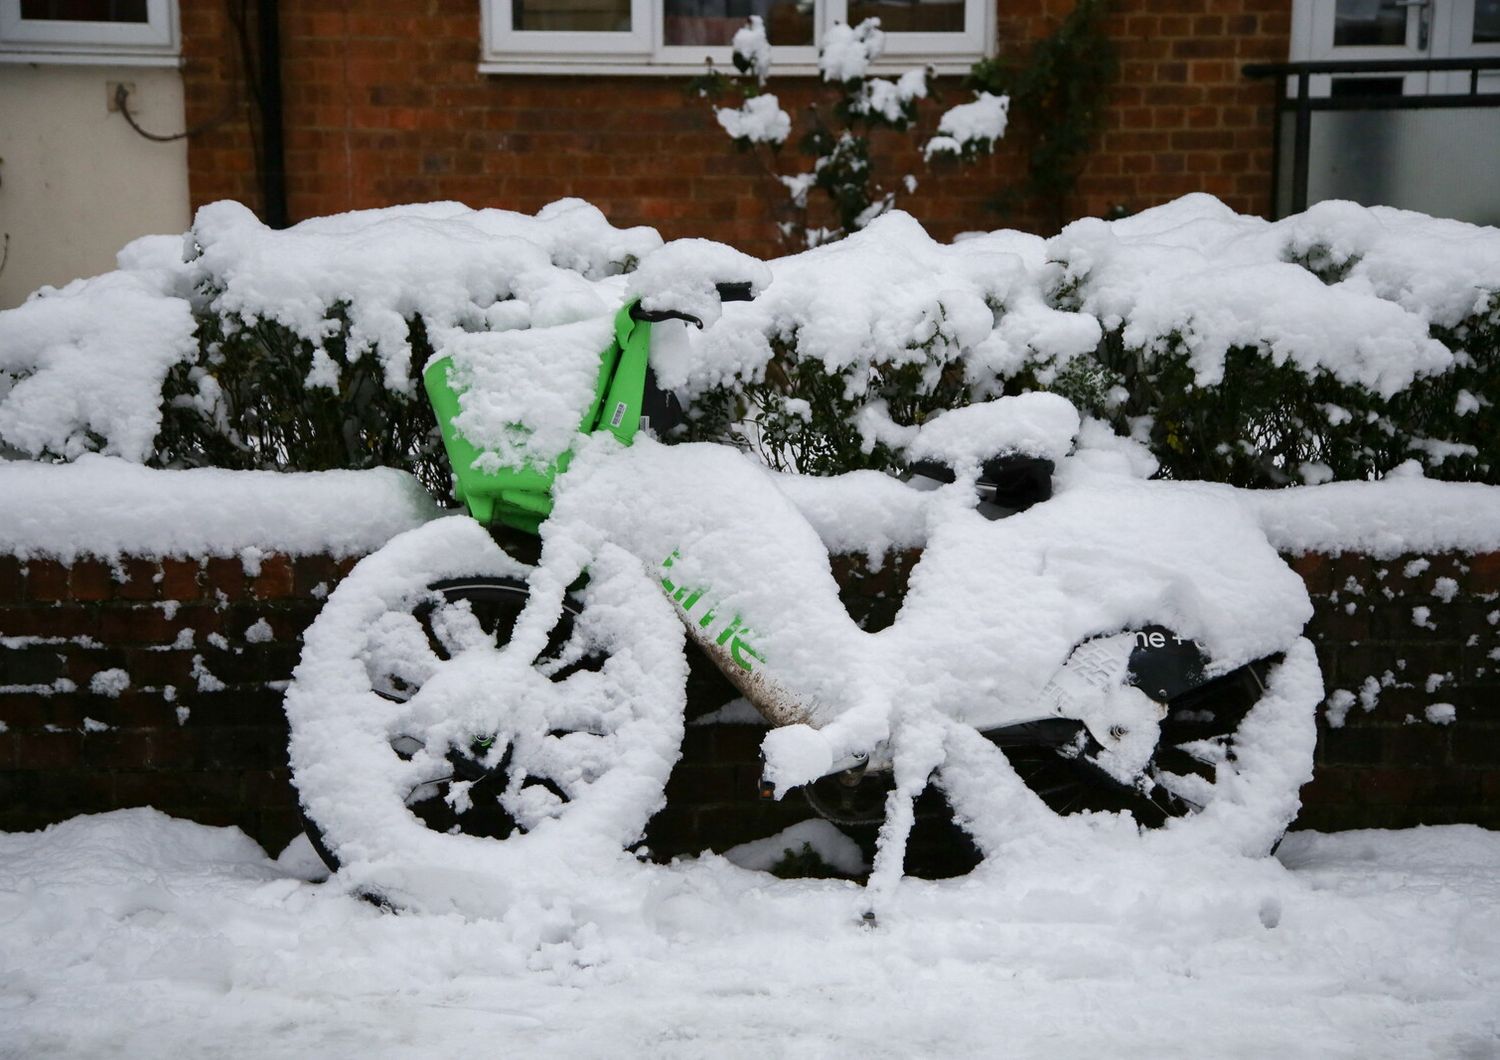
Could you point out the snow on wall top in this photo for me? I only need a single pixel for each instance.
(1399, 514)
(108, 507)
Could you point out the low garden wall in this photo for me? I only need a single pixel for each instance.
(158, 682)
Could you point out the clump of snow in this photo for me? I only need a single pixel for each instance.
(1040, 424)
(1421, 617)
(1445, 589)
(259, 632)
(1441, 713)
(1337, 711)
(250, 560)
(109, 683)
(108, 507)
(752, 51)
(58, 686)
(95, 725)
(759, 120)
(847, 52)
(207, 682)
(891, 100)
(1416, 567)
(970, 126)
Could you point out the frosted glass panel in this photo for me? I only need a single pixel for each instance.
(1439, 162)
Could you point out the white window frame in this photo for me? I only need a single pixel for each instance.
(154, 42)
(641, 50)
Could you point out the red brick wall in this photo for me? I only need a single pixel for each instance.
(384, 109)
(225, 763)
(1183, 118)
(216, 92)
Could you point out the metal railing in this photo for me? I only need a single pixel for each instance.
(1302, 103)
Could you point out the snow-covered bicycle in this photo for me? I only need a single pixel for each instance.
(1073, 636)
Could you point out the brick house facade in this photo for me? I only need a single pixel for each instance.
(382, 108)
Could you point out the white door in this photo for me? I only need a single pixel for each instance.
(1324, 30)
(1465, 29)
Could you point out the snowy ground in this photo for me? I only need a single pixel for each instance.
(133, 934)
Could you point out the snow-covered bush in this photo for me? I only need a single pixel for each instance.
(1338, 343)
(836, 138)
(243, 347)
(1335, 344)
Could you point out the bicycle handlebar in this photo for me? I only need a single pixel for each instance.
(728, 292)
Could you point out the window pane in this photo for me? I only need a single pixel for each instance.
(84, 10)
(714, 22)
(910, 16)
(1487, 21)
(590, 16)
(1367, 22)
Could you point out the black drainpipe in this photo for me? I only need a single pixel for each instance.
(273, 144)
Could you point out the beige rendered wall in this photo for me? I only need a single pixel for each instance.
(76, 182)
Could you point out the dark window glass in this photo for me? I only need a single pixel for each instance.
(84, 10)
(714, 22)
(1486, 22)
(578, 16)
(1361, 23)
(910, 16)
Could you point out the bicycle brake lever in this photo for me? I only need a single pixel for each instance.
(656, 316)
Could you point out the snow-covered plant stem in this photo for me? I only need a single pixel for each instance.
(836, 135)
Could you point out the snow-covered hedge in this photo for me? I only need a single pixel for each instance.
(1335, 344)
(243, 347)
